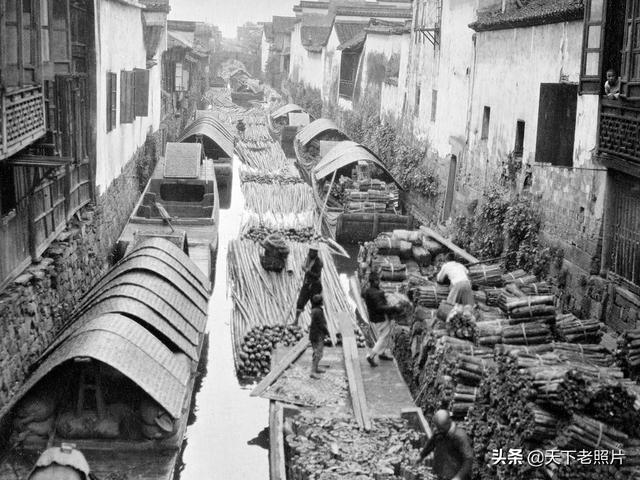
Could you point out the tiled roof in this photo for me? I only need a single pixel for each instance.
(314, 37)
(283, 24)
(313, 4)
(386, 27)
(373, 11)
(354, 42)
(533, 12)
(348, 30)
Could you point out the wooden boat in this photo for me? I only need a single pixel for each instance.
(217, 142)
(118, 380)
(368, 205)
(180, 203)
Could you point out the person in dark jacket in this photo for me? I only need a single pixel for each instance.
(451, 447)
(317, 332)
(312, 284)
(379, 310)
(241, 127)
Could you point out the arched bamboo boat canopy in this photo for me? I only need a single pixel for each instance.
(315, 128)
(213, 129)
(345, 153)
(286, 110)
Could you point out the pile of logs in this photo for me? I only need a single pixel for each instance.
(629, 352)
(569, 328)
(533, 309)
(430, 296)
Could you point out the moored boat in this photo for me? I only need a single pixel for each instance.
(181, 203)
(355, 192)
(118, 380)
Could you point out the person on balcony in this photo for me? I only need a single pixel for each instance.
(612, 85)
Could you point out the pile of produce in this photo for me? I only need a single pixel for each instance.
(254, 357)
(300, 235)
(335, 449)
(285, 199)
(461, 322)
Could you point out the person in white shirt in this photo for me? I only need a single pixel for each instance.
(612, 85)
(458, 277)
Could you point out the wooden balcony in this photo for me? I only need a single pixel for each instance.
(22, 119)
(346, 89)
(620, 130)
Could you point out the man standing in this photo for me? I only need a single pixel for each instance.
(451, 447)
(241, 127)
(312, 284)
(378, 316)
(457, 274)
(317, 332)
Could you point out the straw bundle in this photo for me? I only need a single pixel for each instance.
(287, 198)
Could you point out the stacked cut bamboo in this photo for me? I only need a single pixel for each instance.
(277, 221)
(283, 199)
(533, 333)
(461, 322)
(268, 298)
(268, 156)
(569, 328)
(489, 332)
(286, 174)
(536, 288)
(486, 275)
(365, 207)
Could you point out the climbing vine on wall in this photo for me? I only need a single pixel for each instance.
(308, 98)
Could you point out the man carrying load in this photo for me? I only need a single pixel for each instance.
(378, 309)
(458, 277)
(312, 284)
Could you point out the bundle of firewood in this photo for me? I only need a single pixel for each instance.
(532, 333)
(629, 352)
(430, 296)
(533, 309)
(461, 322)
(486, 275)
(489, 332)
(519, 278)
(492, 296)
(571, 329)
(536, 288)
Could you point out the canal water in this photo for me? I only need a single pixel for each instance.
(227, 439)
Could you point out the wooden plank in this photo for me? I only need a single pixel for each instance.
(449, 244)
(416, 420)
(354, 374)
(357, 298)
(277, 468)
(291, 356)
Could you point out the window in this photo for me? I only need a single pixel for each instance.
(44, 29)
(631, 52)
(556, 123)
(434, 104)
(416, 109)
(7, 190)
(518, 148)
(182, 78)
(140, 92)
(486, 118)
(112, 98)
(59, 30)
(20, 44)
(590, 72)
(126, 97)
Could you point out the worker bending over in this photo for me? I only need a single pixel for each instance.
(451, 447)
(379, 309)
(312, 284)
(318, 331)
(458, 277)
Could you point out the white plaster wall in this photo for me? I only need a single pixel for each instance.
(521, 59)
(331, 73)
(311, 73)
(120, 46)
(297, 54)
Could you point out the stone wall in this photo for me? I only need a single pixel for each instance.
(39, 302)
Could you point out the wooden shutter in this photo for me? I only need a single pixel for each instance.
(631, 52)
(556, 123)
(141, 92)
(126, 97)
(592, 46)
(112, 98)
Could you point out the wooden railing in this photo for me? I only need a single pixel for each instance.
(620, 130)
(22, 119)
(346, 89)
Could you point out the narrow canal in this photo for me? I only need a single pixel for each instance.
(225, 441)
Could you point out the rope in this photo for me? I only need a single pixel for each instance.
(599, 434)
(524, 332)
